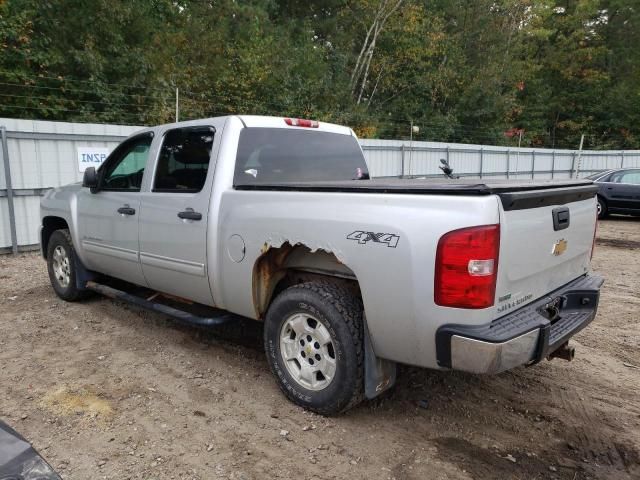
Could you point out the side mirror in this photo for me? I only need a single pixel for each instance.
(90, 179)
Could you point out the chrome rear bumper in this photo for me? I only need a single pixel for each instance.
(478, 356)
(522, 337)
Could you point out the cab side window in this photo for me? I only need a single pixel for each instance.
(125, 167)
(183, 161)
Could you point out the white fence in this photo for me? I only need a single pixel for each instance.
(38, 155)
(391, 158)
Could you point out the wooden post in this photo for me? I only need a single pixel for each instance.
(579, 156)
(508, 161)
(533, 163)
(9, 187)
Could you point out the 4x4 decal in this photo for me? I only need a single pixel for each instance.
(363, 237)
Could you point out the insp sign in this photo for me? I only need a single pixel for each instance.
(91, 157)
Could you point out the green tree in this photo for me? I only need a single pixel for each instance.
(463, 71)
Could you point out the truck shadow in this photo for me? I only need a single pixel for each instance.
(621, 218)
(525, 423)
(479, 423)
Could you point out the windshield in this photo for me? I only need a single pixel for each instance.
(280, 155)
(594, 176)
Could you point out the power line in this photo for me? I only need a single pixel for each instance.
(169, 90)
(73, 100)
(233, 104)
(438, 130)
(57, 109)
(233, 99)
(91, 82)
(63, 89)
(438, 135)
(168, 98)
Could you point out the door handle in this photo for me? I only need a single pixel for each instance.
(127, 211)
(190, 215)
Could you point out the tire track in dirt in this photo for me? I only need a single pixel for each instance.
(617, 242)
(590, 436)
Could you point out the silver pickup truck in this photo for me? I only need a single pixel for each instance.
(277, 220)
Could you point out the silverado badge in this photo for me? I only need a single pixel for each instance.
(559, 247)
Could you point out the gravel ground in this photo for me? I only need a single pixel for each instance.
(104, 390)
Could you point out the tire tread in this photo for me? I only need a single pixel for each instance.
(350, 308)
(73, 294)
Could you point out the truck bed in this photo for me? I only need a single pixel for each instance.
(514, 194)
(462, 186)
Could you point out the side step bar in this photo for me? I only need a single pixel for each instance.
(180, 315)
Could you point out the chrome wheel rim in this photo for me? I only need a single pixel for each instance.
(307, 351)
(599, 207)
(61, 266)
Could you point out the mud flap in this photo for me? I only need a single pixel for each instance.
(379, 374)
(82, 274)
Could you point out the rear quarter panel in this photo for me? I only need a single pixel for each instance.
(396, 283)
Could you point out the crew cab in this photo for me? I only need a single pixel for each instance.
(277, 220)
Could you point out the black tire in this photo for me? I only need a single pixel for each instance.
(69, 292)
(340, 312)
(602, 207)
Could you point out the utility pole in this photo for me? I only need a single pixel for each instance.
(414, 129)
(177, 105)
(410, 146)
(520, 131)
(579, 164)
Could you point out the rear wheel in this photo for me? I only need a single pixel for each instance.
(314, 343)
(61, 258)
(602, 208)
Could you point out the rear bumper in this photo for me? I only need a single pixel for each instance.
(522, 337)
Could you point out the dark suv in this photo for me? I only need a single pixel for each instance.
(618, 191)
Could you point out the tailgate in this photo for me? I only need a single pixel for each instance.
(546, 239)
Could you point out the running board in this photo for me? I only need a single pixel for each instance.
(180, 315)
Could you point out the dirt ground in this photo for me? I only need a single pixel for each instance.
(104, 390)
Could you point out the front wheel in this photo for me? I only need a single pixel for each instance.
(313, 338)
(62, 267)
(602, 208)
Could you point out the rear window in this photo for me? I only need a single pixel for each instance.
(279, 155)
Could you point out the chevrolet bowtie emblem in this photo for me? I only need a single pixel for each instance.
(559, 247)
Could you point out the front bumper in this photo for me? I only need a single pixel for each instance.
(523, 337)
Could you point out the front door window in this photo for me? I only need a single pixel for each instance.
(125, 167)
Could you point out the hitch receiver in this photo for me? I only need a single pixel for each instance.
(565, 352)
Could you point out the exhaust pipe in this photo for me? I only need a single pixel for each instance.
(565, 352)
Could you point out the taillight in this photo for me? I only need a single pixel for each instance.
(301, 122)
(467, 267)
